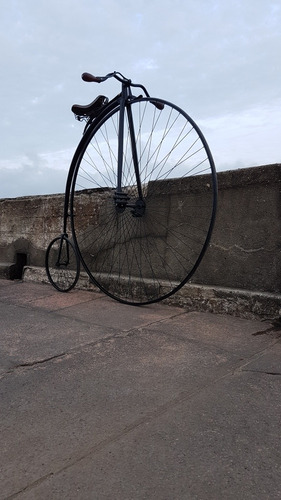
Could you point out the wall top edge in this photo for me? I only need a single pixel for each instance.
(263, 174)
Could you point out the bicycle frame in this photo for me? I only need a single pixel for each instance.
(127, 151)
(121, 198)
(123, 100)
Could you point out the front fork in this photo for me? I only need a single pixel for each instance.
(121, 198)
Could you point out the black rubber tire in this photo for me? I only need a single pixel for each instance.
(62, 270)
(140, 260)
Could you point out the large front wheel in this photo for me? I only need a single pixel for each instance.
(141, 249)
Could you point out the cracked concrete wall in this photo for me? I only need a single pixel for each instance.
(245, 247)
(27, 225)
(245, 250)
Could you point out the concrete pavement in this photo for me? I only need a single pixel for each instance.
(100, 400)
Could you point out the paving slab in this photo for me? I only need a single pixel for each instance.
(229, 333)
(107, 312)
(219, 443)
(100, 400)
(268, 363)
(31, 336)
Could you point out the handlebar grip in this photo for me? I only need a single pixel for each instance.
(157, 104)
(87, 77)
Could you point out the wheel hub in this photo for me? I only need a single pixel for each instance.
(122, 202)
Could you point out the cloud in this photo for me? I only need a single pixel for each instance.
(245, 139)
(145, 64)
(213, 58)
(34, 174)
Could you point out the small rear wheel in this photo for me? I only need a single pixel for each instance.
(62, 264)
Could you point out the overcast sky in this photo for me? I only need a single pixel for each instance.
(217, 59)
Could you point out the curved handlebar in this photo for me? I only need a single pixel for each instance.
(88, 77)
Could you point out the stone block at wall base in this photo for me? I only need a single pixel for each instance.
(38, 275)
(5, 269)
(241, 303)
(236, 302)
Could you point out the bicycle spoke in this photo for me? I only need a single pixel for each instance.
(144, 257)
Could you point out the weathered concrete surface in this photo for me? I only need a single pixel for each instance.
(245, 251)
(101, 400)
(192, 297)
(27, 225)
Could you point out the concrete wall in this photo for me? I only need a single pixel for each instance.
(245, 247)
(27, 225)
(245, 250)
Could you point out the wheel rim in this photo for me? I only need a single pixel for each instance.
(62, 265)
(143, 259)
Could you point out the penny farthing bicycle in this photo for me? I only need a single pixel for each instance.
(141, 197)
